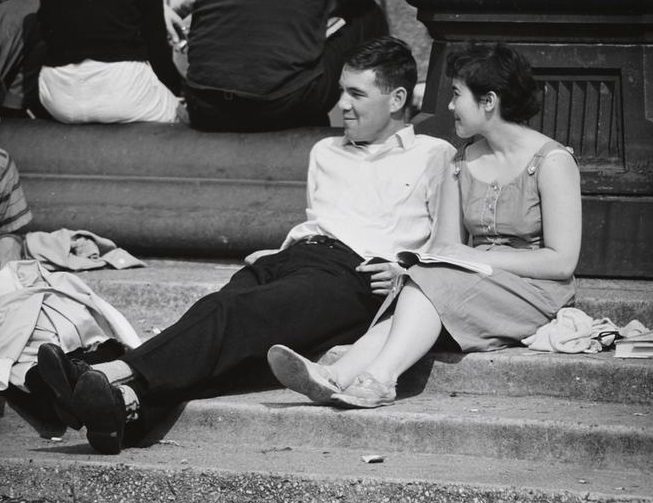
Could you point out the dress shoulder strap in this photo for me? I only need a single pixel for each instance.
(459, 159)
(545, 150)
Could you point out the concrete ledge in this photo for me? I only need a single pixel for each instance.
(161, 188)
(172, 285)
(531, 428)
(191, 468)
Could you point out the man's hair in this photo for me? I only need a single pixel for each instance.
(392, 61)
(498, 68)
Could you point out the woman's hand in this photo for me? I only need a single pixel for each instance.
(173, 13)
(384, 275)
(174, 24)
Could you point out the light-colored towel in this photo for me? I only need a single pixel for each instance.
(573, 331)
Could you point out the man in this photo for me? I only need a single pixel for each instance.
(14, 212)
(370, 194)
(257, 65)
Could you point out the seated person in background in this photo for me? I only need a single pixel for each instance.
(371, 193)
(19, 57)
(14, 212)
(107, 61)
(260, 65)
(516, 193)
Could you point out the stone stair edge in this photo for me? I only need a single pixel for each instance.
(194, 271)
(538, 408)
(134, 482)
(597, 435)
(35, 467)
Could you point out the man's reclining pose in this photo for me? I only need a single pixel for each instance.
(372, 193)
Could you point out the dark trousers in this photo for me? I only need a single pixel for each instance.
(21, 53)
(308, 297)
(211, 110)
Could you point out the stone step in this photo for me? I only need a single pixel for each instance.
(511, 425)
(272, 446)
(155, 296)
(592, 434)
(162, 291)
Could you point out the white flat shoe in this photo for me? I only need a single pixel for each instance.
(302, 375)
(366, 393)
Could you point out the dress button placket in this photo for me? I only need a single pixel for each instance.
(493, 197)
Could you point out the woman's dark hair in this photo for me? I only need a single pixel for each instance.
(392, 62)
(498, 68)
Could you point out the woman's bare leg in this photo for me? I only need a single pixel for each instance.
(415, 327)
(362, 353)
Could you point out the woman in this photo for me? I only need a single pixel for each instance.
(514, 196)
(107, 61)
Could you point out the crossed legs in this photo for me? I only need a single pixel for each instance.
(367, 373)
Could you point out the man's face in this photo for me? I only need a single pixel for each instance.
(366, 109)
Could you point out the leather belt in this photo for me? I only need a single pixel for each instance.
(329, 242)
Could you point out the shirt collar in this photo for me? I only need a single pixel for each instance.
(404, 138)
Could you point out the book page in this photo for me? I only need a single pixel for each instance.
(408, 258)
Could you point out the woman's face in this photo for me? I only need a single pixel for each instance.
(468, 113)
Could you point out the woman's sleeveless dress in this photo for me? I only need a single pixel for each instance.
(484, 313)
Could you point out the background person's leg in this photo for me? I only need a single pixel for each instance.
(18, 40)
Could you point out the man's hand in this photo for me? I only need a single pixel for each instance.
(383, 275)
(254, 256)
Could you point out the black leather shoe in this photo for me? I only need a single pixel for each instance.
(101, 408)
(61, 374)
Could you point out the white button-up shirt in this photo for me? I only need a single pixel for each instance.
(377, 199)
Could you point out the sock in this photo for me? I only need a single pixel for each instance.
(132, 402)
(116, 371)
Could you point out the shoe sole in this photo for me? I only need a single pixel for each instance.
(292, 371)
(96, 404)
(54, 375)
(352, 402)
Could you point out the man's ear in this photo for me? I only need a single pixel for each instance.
(398, 98)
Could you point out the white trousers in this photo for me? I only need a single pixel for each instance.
(96, 91)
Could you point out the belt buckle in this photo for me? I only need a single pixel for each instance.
(316, 239)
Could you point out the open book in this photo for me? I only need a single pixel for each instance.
(636, 346)
(408, 258)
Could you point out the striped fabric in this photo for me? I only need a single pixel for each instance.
(14, 212)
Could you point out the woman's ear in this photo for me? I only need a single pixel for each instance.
(398, 98)
(489, 102)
